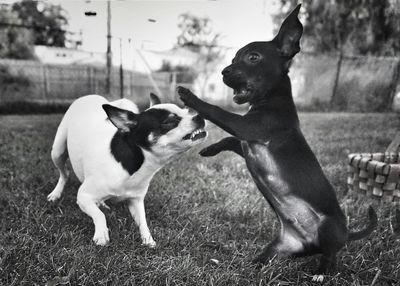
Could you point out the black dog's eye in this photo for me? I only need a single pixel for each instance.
(253, 57)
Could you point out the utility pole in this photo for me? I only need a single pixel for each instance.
(109, 53)
(121, 71)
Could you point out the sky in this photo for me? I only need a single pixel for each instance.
(239, 21)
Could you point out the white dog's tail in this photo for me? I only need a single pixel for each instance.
(60, 141)
(59, 155)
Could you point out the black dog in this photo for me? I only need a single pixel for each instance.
(277, 155)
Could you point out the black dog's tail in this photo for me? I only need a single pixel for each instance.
(373, 222)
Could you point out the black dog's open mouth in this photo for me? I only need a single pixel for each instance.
(241, 95)
(241, 89)
(195, 135)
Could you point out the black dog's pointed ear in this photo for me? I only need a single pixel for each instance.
(154, 99)
(288, 38)
(124, 120)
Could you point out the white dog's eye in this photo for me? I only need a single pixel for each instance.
(170, 122)
(172, 118)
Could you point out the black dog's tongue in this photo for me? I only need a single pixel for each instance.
(240, 96)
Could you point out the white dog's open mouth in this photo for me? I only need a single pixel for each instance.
(195, 135)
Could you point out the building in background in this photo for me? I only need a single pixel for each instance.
(67, 56)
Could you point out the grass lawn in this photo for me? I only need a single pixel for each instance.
(206, 215)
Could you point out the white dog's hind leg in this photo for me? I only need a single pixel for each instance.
(136, 208)
(89, 206)
(59, 155)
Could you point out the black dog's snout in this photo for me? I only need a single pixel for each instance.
(227, 70)
(199, 121)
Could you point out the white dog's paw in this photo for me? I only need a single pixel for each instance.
(101, 237)
(149, 242)
(53, 196)
(318, 278)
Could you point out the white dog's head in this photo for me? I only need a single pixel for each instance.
(163, 129)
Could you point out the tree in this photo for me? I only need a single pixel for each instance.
(356, 26)
(15, 41)
(46, 20)
(197, 35)
(195, 31)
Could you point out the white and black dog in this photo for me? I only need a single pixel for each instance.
(115, 151)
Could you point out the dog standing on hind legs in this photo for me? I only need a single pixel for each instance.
(277, 155)
(115, 152)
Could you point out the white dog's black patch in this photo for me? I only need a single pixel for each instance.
(129, 155)
(133, 133)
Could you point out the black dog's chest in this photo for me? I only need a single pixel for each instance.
(262, 165)
(269, 174)
(270, 179)
(266, 173)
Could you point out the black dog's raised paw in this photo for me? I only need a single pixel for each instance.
(181, 90)
(187, 97)
(209, 151)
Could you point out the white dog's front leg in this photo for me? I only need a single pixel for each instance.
(136, 207)
(88, 205)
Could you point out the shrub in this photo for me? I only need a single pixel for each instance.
(12, 87)
(26, 107)
(7, 78)
(377, 99)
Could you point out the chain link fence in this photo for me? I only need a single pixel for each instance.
(32, 81)
(319, 82)
(346, 83)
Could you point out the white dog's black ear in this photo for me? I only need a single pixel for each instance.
(288, 38)
(123, 119)
(154, 99)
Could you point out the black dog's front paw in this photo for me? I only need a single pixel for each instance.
(209, 151)
(259, 261)
(187, 97)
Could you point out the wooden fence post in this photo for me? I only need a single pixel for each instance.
(393, 84)
(337, 76)
(172, 86)
(91, 80)
(45, 81)
(130, 93)
(95, 81)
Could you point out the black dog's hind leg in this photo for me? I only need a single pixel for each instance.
(332, 237)
(227, 144)
(281, 248)
(327, 263)
(269, 252)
